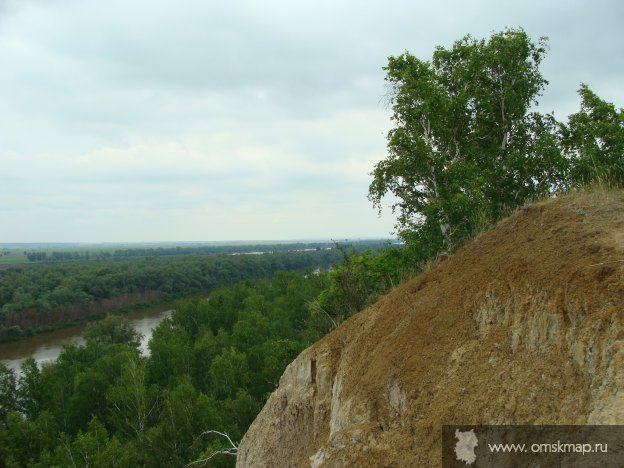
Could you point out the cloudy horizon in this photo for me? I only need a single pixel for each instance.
(141, 121)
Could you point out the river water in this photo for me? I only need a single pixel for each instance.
(46, 347)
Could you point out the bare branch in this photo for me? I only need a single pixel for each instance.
(232, 450)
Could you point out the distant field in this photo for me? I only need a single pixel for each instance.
(11, 257)
(37, 253)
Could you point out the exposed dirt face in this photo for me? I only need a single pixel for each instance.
(525, 325)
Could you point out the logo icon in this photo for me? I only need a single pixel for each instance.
(465, 446)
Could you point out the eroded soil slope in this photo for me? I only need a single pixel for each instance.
(524, 325)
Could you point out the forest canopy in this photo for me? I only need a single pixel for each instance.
(468, 144)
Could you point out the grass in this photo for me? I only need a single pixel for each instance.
(12, 257)
(599, 188)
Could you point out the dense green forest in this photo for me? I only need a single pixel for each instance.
(42, 296)
(211, 367)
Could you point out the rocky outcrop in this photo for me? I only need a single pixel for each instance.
(525, 325)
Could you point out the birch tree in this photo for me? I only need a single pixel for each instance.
(594, 141)
(466, 144)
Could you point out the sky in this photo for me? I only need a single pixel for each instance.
(197, 120)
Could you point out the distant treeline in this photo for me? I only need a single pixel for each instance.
(57, 256)
(51, 295)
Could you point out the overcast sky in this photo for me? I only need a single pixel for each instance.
(148, 120)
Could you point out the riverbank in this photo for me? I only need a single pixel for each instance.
(46, 297)
(45, 347)
(11, 329)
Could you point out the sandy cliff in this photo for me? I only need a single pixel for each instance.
(524, 325)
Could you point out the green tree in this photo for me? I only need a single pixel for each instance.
(206, 347)
(170, 354)
(26, 439)
(465, 144)
(228, 373)
(90, 386)
(276, 356)
(30, 391)
(113, 330)
(594, 140)
(172, 439)
(357, 282)
(251, 328)
(133, 404)
(8, 386)
(92, 448)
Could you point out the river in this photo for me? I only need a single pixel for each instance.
(46, 347)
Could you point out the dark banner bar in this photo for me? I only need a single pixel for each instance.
(532, 446)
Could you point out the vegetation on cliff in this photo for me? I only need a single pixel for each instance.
(469, 145)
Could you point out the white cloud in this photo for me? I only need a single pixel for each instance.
(148, 120)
